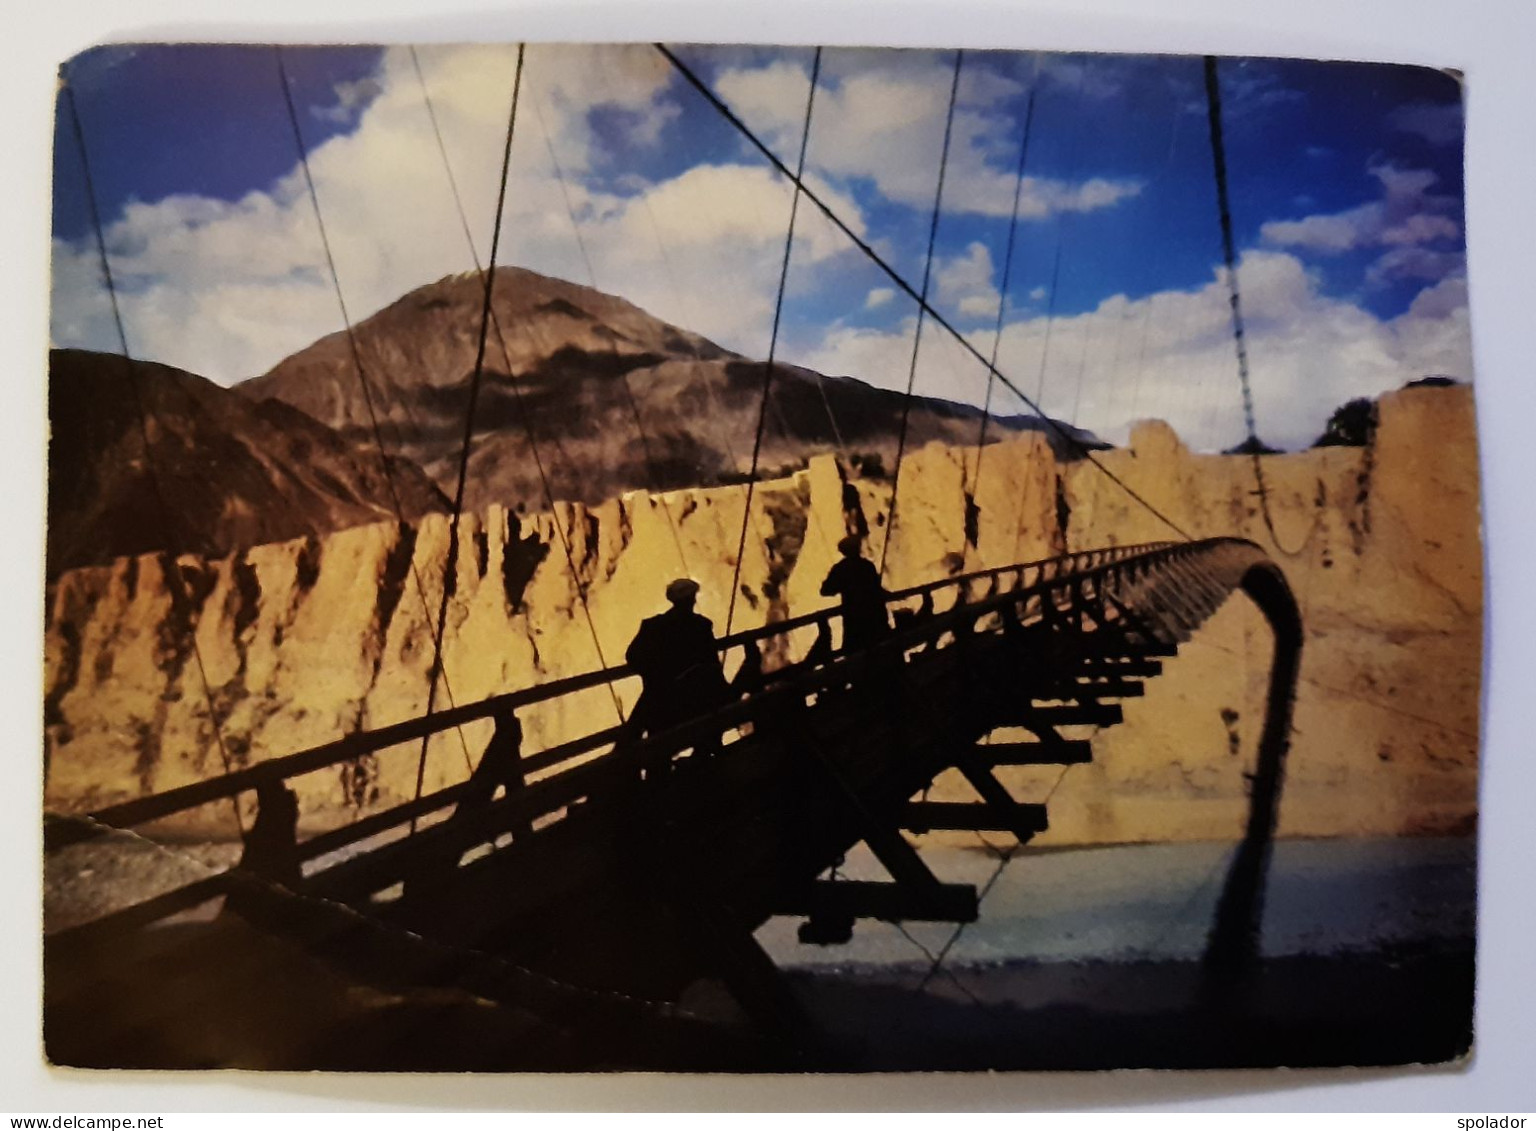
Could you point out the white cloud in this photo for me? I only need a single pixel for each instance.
(351, 97)
(1171, 355)
(1407, 216)
(964, 283)
(883, 122)
(878, 297)
(228, 289)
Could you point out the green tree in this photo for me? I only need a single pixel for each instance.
(1352, 424)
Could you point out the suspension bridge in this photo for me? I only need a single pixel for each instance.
(617, 869)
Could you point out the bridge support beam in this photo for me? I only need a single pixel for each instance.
(1023, 820)
(1233, 945)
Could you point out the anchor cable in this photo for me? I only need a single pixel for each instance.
(909, 290)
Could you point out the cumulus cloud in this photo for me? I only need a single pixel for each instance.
(227, 289)
(882, 121)
(964, 283)
(1407, 215)
(351, 97)
(1171, 355)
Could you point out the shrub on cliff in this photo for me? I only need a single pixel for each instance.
(1352, 424)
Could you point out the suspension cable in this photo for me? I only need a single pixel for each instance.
(180, 599)
(353, 348)
(451, 562)
(906, 287)
(523, 416)
(1002, 298)
(997, 333)
(922, 307)
(1004, 858)
(629, 391)
(1239, 336)
(773, 339)
(1045, 353)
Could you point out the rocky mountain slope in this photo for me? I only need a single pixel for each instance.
(608, 398)
(305, 640)
(222, 472)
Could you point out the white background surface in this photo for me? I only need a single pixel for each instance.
(1492, 41)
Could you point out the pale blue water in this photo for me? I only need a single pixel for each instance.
(1157, 901)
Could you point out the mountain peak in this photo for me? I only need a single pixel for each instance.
(222, 473)
(583, 396)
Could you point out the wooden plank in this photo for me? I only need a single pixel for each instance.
(1113, 669)
(1060, 753)
(1021, 821)
(972, 816)
(1086, 691)
(1056, 715)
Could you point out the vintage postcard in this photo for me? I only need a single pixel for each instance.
(666, 557)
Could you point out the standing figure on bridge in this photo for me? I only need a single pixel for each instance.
(675, 655)
(855, 579)
(500, 766)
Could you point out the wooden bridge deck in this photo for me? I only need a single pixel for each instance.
(621, 879)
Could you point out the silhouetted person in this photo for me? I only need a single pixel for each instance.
(675, 655)
(270, 856)
(855, 579)
(500, 765)
(271, 846)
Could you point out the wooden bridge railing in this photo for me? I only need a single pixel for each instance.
(1064, 588)
(1021, 580)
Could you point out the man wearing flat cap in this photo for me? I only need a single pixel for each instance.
(856, 580)
(675, 655)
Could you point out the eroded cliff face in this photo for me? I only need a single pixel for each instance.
(303, 641)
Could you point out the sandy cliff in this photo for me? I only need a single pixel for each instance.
(302, 641)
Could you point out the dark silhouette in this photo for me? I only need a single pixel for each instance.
(855, 579)
(268, 860)
(1352, 424)
(676, 657)
(500, 765)
(271, 845)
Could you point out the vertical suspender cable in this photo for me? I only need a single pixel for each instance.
(629, 391)
(1045, 353)
(330, 262)
(1002, 308)
(522, 410)
(1002, 299)
(922, 309)
(773, 340)
(451, 562)
(906, 288)
(181, 600)
(352, 345)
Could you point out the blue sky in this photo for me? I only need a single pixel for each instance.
(1345, 184)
